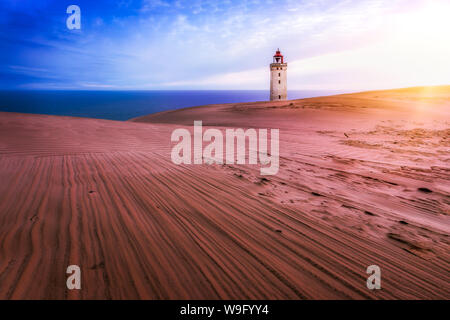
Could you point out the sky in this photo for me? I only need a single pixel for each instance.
(227, 44)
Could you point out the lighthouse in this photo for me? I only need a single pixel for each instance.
(278, 78)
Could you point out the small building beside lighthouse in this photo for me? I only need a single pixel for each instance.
(278, 78)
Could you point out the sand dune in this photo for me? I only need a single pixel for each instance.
(363, 180)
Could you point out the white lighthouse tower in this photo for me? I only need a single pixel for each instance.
(278, 78)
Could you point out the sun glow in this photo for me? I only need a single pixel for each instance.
(426, 30)
(411, 48)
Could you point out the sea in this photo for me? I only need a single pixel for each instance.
(124, 105)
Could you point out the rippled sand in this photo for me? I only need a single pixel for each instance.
(363, 179)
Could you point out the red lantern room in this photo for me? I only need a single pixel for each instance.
(278, 57)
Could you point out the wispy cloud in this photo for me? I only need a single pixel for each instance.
(27, 70)
(149, 5)
(158, 44)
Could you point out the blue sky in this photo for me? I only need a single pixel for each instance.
(195, 44)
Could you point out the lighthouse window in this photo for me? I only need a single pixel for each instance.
(279, 74)
(279, 97)
(279, 81)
